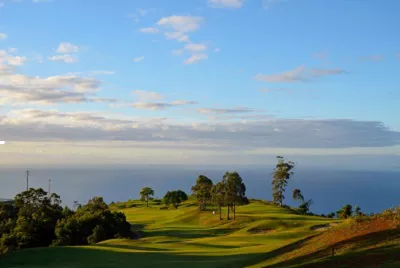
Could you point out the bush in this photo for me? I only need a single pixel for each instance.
(98, 235)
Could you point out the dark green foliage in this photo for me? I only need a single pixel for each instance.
(174, 198)
(36, 219)
(83, 226)
(345, 212)
(282, 174)
(145, 194)
(202, 191)
(98, 235)
(331, 215)
(297, 195)
(358, 212)
(38, 214)
(304, 208)
(235, 191)
(217, 196)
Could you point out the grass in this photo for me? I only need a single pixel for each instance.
(261, 236)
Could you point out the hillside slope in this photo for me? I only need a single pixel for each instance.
(354, 243)
(184, 237)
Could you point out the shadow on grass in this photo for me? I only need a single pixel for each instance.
(365, 258)
(98, 258)
(132, 247)
(188, 233)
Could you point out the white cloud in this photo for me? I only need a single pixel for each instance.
(143, 95)
(138, 59)
(225, 110)
(299, 74)
(65, 47)
(161, 105)
(11, 60)
(22, 89)
(179, 36)
(226, 3)
(37, 125)
(149, 30)
(65, 58)
(195, 47)
(195, 58)
(3, 36)
(182, 24)
(217, 50)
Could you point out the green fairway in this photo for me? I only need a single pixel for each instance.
(183, 237)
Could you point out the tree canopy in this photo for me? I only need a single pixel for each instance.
(36, 219)
(282, 173)
(202, 191)
(174, 198)
(145, 194)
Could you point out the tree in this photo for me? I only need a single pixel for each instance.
(282, 174)
(218, 196)
(202, 191)
(304, 208)
(38, 214)
(297, 195)
(175, 198)
(91, 223)
(345, 212)
(358, 212)
(235, 191)
(145, 193)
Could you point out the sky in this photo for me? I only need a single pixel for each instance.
(199, 82)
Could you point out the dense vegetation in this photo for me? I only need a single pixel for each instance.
(36, 219)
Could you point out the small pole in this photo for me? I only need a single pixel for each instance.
(27, 180)
(49, 192)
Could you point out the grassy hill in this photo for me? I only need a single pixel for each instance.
(261, 236)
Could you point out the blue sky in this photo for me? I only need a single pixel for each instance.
(248, 77)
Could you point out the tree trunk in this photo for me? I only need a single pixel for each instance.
(228, 213)
(147, 201)
(234, 212)
(220, 213)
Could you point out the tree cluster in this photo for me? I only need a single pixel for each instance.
(36, 219)
(230, 193)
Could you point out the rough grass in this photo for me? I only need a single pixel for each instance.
(262, 235)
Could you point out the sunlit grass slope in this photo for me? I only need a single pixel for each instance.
(184, 237)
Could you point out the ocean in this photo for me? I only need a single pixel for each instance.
(330, 189)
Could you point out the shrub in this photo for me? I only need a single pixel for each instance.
(98, 235)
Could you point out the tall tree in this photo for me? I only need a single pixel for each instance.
(297, 195)
(218, 196)
(202, 191)
(345, 212)
(145, 193)
(235, 191)
(38, 214)
(175, 198)
(282, 173)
